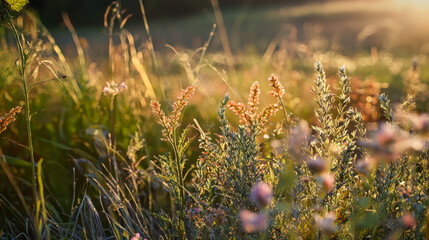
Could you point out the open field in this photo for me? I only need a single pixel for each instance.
(134, 137)
(338, 23)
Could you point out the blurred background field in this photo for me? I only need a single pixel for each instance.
(349, 26)
(383, 44)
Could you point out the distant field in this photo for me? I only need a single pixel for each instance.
(347, 26)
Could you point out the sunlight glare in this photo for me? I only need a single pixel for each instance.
(418, 4)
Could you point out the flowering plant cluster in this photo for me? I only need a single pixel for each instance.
(340, 180)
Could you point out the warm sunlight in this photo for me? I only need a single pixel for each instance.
(214, 119)
(419, 4)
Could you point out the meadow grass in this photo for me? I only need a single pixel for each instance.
(147, 144)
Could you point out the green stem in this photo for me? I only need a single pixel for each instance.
(181, 185)
(173, 141)
(30, 142)
(27, 116)
(113, 121)
(286, 116)
(27, 107)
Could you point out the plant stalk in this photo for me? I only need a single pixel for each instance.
(27, 107)
(26, 91)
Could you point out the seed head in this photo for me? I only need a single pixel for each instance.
(268, 111)
(278, 90)
(253, 99)
(240, 110)
(8, 118)
(179, 104)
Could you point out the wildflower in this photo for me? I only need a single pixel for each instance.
(412, 143)
(113, 88)
(328, 182)
(267, 112)
(179, 104)
(317, 165)
(240, 110)
(326, 223)
(136, 237)
(278, 90)
(171, 122)
(390, 142)
(123, 85)
(8, 118)
(408, 221)
(253, 99)
(420, 123)
(388, 134)
(253, 222)
(249, 116)
(156, 110)
(261, 194)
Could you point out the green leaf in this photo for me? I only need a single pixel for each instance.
(17, 162)
(17, 5)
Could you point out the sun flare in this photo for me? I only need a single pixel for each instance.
(420, 4)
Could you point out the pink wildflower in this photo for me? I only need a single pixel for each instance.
(326, 223)
(253, 222)
(317, 165)
(136, 237)
(113, 88)
(261, 194)
(408, 221)
(328, 182)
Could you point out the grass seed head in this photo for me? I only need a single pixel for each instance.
(278, 90)
(253, 99)
(8, 118)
